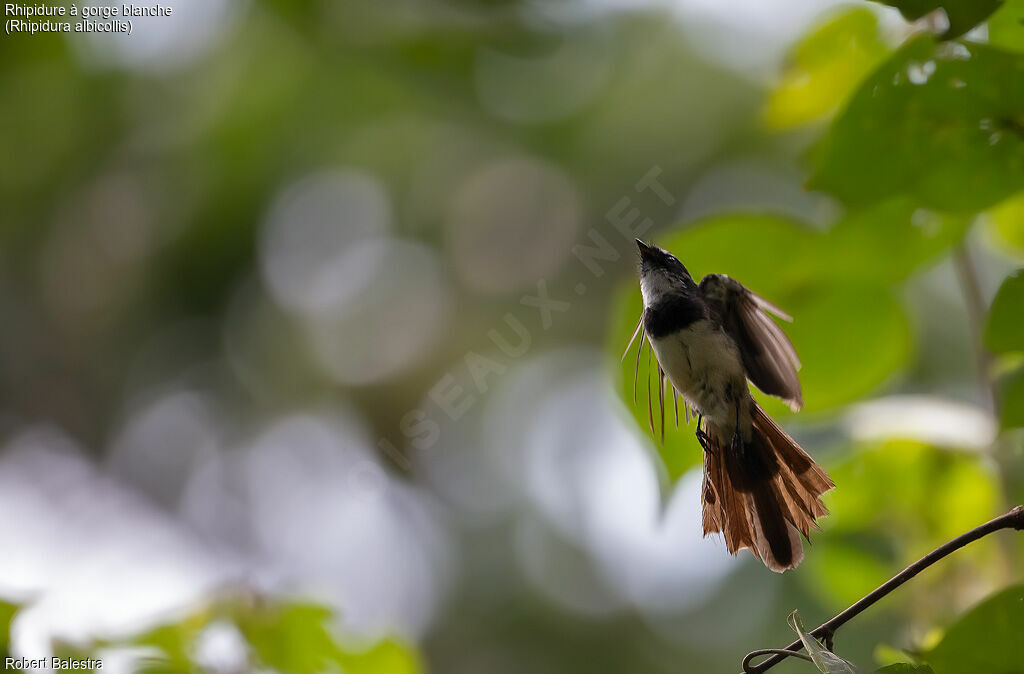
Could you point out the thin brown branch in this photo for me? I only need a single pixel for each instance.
(1011, 520)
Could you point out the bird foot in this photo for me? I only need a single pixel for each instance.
(704, 440)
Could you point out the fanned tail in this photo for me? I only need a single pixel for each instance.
(762, 496)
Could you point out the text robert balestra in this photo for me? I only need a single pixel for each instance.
(54, 663)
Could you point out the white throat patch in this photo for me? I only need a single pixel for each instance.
(653, 286)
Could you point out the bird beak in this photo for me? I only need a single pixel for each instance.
(645, 250)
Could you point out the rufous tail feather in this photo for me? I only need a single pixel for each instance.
(763, 495)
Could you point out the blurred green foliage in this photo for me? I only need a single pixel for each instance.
(937, 121)
(1012, 399)
(7, 611)
(1006, 220)
(1005, 331)
(284, 636)
(1004, 334)
(961, 14)
(297, 639)
(173, 643)
(1006, 26)
(985, 639)
(898, 500)
(824, 67)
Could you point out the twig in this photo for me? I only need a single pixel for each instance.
(975, 302)
(1011, 520)
(781, 652)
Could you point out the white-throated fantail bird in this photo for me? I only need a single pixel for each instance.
(761, 490)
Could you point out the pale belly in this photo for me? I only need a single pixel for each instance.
(704, 365)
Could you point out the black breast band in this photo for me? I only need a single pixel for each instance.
(673, 313)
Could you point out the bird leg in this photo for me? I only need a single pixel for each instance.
(702, 436)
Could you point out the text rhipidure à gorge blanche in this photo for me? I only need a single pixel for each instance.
(103, 11)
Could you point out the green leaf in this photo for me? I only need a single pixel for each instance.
(1004, 332)
(962, 14)
(1011, 400)
(824, 67)
(889, 241)
(905, 668)
(291, 638)
(938, 122)
(295, 638)
(385, 657)
(826, 661)
(1006, 26)
(7, 612)
(175, 642)
(1006, 222)
(864, 322)
(987, 639)
(767, 253)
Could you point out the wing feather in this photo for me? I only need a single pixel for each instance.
(768, 356)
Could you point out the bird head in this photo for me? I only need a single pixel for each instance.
(661, 273)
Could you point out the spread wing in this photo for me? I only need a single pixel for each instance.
(767, 353)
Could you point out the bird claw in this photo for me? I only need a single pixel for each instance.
(702, 436)
(704, 440)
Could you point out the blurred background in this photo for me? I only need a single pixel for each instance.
(311, 316)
